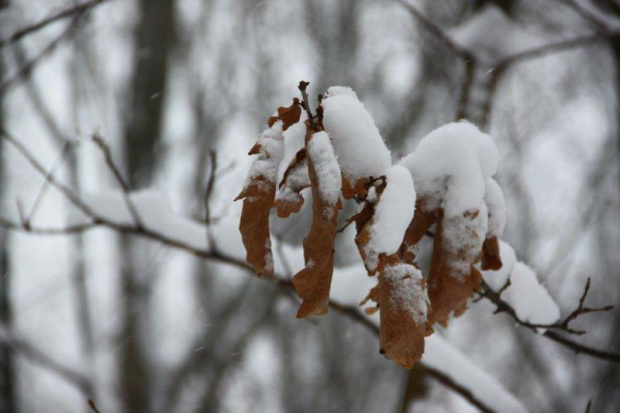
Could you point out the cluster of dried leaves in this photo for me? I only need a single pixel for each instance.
(403, 326)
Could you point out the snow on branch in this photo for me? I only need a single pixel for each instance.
(401, 291)
(516, 291)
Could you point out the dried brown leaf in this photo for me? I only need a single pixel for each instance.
(314, 281)
(403, 316)
(363, 222)
(491, 258)
(288, 115)
(289, 200)
(254, 224)
(449, 287)
(373, 295)
(258, 196)
(422, 221)
(359, 190)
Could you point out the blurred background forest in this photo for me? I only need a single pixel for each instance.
(167, 82)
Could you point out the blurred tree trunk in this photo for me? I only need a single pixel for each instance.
(78, 274)
(143, 123)
(607, 396)
(8, 402)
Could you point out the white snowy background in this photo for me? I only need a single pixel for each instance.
(554, 121)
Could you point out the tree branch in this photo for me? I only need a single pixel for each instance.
(107, 154)
(436, 31)
(503, 307)
(286, 286)
(77, 10)
(24, 348)
(26, 69)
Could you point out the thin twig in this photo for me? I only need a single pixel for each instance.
(77, 10)
(556, 47)
(584, 12)
(64, 152)
(67, 230)
(210, 186)
(26, 69)
(220, 257)
(285, 285)
(580, 310)
(305, 102)
(107, 154)
(25, 349)
(438, 33)
(66, 191)
(93, 406)
(207, 200)
(503, 307)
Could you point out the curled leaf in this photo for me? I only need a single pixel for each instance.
(258, 194)
(288, 115)
(496, 206)
(453, 279)
(491, 258)
(422, 221)
(314, 281)
(296, 178)
(364, 221)
(359, 190)
(373, 295)
(403, 309)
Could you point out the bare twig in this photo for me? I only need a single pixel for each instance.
(207, 200)
(67, 230)
(25, 349)
(463, 391)
(66, 191)
(220, 257)
(93, 406)
(466, 87)
(436, 31)
(557, 47)
(64, 152)
(345, 226)
(581, 310)
(305, 102)
(583, 12)
(107, 154)
(503, 307)
(286, 286)
(26, 69)
(74, 11)
(210, 186)
(507, 284)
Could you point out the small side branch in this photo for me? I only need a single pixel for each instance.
(207, 199)
(107, 154)
(435, 30)
(25, 349)
(504, 307)
(77, 10)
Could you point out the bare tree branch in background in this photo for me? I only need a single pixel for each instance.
(71, 12)
(143, 129)
(286, 286)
